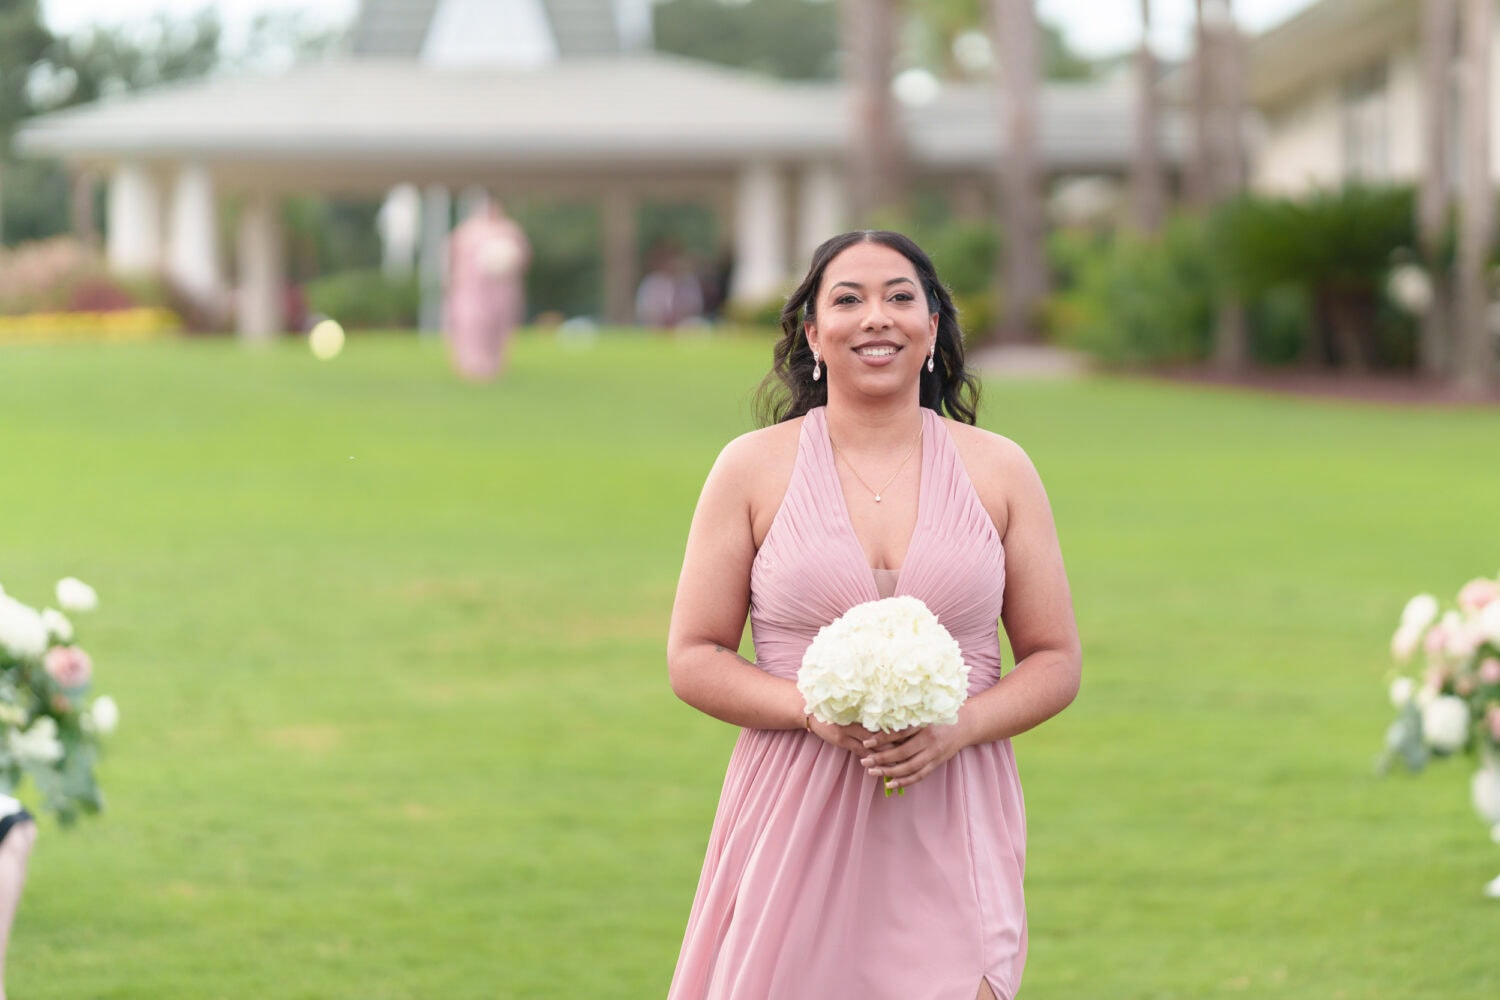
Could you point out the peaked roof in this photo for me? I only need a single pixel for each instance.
(391, 28)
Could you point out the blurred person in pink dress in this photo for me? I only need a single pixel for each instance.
(486, 297)
(871, 479)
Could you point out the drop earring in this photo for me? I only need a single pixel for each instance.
(931, 356)
(817, 369)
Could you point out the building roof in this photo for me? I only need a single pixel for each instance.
(402, 118)
(1325, 41)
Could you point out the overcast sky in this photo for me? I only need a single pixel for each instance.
(1094, 27)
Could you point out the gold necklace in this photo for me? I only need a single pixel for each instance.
(917, 440)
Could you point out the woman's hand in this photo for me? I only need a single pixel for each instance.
(904, 758)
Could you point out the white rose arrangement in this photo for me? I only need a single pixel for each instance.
(50, 726)
(887, 665)
(1453, 704)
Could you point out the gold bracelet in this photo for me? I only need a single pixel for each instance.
(807, 721)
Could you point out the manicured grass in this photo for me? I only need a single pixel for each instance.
(396, 723)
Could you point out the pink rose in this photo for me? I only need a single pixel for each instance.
(1437, 639)
(69, 666)
(1477, 593)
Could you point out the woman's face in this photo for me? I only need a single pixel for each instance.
(871, 323)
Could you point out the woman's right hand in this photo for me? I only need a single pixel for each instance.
(851, 737)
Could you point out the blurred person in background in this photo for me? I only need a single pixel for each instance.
(486, 296)
(671, 293)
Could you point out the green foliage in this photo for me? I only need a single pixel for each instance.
(35, 200)
(1134, 300)
(388, 653)
(964, 253)
(23, 41)
(791, 39)
(934, 25)
(1336, 248)
(1342, 239)
(326, 235)
(119, 59)
(365, 299)
(567, 265)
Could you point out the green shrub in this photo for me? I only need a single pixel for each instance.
(366, 300)
(1134, 300)
(1336, 247)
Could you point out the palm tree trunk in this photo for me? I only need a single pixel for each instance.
(1475, 354)
(1146, 169)
(876, 158)
(1023, 270)
(1226, 160)
(1434, 196)
(1200, 160)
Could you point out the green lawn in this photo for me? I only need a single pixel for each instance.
(395, 718)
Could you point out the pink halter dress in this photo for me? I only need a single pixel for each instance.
(815, 883)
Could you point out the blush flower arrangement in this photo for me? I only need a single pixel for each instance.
(50, 723)
(1447, 700)
(887, 665)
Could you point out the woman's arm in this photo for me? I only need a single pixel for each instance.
(713, 598)
(1038, 617)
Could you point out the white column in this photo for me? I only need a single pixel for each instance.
(619, 231)
(400, 222)
(262, 269)
(193, 242)
(135, 236)
(820, 207)
(432, 256)
(760, 238)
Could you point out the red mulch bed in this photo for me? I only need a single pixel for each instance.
(1388, 390)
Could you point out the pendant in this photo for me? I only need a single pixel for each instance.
(877, 498)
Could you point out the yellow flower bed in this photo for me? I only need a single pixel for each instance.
(114, 325)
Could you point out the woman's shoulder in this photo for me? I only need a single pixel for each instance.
(750, 455)
(985, 449)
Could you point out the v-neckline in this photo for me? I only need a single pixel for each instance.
(916, 528)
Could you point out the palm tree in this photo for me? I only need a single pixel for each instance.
(1023, 270)
(1146, 170)
(1474, 348)
(1434, 195)
(876, 157)
(1219, 167)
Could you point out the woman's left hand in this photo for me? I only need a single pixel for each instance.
(904, 758)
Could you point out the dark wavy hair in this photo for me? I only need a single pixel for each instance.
(788, 390)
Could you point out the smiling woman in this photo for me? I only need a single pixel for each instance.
(815, 883)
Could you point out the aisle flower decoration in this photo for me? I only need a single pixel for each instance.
(1446, 690)
(887, 665)
(50, 722)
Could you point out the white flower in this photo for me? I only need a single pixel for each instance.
(22, 632)
(1402, 689)
(1404, 643)
(1419, 612)
(75, 595)
(887, 665)
(104, 715)
(1487, 624)
(1461, 638)
(1445, 723)
(39, 744)
(58, 626)
(1410, 288)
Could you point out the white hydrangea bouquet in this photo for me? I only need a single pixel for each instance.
(1448, 701)
(49, 724)
(887, 665)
